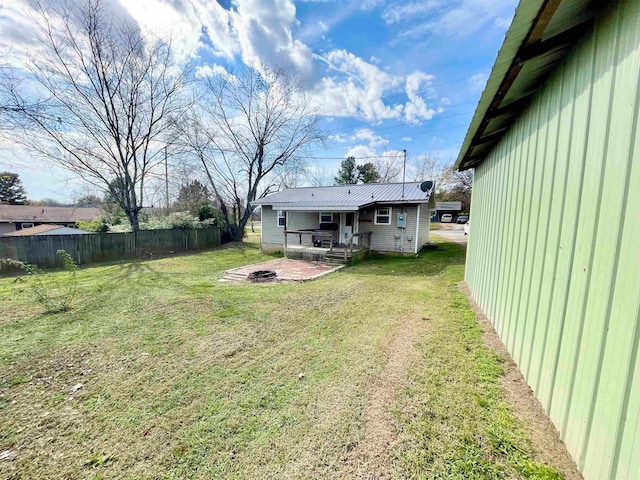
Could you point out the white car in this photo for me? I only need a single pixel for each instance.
(467, 227)
(446, 218)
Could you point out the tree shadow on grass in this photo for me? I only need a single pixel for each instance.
(426, 263)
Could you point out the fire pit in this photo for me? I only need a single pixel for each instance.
(262, 275)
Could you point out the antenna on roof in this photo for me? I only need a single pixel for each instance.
(404, 169)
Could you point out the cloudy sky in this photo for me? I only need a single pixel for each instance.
(385, 74)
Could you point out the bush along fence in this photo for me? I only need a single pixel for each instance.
(102, 247)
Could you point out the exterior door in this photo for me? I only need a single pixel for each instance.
(347, 220)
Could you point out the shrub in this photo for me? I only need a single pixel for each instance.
(96, 225)
(54, 293)
(207, 211)
(182, 220)
(9, 265)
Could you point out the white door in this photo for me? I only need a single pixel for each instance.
(347, 220)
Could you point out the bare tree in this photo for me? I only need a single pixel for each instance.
(427, 167)
(249, 136)
(319, 176)
(110, 97)
(13, 102)
(456, 186)
(389, 167)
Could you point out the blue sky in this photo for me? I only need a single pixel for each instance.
(385, 75)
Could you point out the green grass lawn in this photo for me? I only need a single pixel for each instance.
(160, 371)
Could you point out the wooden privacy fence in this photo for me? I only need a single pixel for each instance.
(42, 250)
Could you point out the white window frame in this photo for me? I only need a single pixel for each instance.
(326, 213)
(27, 225)
(279, 216)
(376, 215)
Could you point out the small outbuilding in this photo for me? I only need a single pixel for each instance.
(554, 252)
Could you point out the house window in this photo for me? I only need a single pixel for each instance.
(282, 218)
(383, 216)
(27, 225)
(326, 217)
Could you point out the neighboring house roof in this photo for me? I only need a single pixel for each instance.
(46, 230)
(541, 34)
(449, 206)
(44, 214)
(346, 197)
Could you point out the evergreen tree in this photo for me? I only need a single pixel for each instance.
(348, 173)
(11, 189)
(368, 173)
(191, 196)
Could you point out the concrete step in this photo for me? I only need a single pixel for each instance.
(233, 277)
(334, 260)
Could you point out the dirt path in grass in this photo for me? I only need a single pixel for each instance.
(371, 459)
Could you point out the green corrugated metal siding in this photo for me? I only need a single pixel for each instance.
(554, 252)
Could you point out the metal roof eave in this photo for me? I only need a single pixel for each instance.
(524, 42)
(341, 208)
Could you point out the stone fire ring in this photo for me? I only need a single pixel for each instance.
(262, 275)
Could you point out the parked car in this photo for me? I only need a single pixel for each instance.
(467, 227)
(462, 219)
(446, 218)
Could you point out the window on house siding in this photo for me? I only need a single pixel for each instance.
(326, 217)
(282, 218)
(383, 216)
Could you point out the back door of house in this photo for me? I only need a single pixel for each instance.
(347, 220)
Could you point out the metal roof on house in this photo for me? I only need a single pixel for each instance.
(346, 197)
(44, 214)
(46, 230)
(540, 36)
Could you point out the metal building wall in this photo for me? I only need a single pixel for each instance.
(554, 249)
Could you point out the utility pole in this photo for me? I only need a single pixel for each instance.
(404, 169)
(166, 179)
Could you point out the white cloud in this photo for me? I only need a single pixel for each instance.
(324, 28)
(450, 18)
(264, 33)
(399, 12)
(416, 109)
(339, 137)
(502, 23)
(259, 33)
(355, 90)
(477, 82)
(205, 71)
(406, 139)
(360, 151)
(371, 4)
(367, 135)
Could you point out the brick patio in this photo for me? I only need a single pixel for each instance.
(287, 270)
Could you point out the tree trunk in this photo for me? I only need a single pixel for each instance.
(134, 221)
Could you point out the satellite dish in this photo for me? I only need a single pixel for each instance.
(426, 186)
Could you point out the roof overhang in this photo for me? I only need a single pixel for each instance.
(294, 208)
(341, 208)
(540, 36)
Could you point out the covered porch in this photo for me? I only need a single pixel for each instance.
(320, 245)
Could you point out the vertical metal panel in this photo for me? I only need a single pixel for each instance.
(554, 253)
